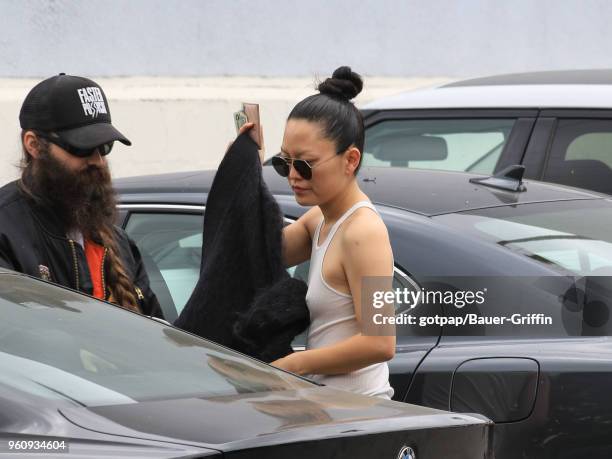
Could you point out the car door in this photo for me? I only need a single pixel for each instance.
(479, 141)
(572, 147)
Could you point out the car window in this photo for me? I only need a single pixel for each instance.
(581, 154)
(171, 248)
(473, 145)
(58, 344)
(571, 236)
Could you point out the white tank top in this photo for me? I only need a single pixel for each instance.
(332, 319)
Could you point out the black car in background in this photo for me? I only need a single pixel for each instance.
(558, 124)
(545, 387)
(81, 378)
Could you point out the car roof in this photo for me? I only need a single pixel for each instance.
(591, 76)
(425, 192)
(551, 89)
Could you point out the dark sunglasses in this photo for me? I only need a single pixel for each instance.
(282, 165)
(104, 149)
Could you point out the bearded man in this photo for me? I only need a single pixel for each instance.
(57, 220)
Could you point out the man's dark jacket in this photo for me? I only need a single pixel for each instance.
(244, 298)
(33, 241)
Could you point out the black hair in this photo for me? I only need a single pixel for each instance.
(333, 110)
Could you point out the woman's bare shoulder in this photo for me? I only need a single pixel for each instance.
(365, 225)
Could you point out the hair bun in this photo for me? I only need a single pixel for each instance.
(344, 84)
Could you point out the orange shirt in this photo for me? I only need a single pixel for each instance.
(95, 257)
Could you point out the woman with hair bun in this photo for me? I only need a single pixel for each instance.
(342, 235)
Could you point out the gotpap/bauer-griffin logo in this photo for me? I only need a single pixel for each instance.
(92, 101)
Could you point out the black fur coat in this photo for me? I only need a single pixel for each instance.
(244, 298)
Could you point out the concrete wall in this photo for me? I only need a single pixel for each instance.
(181, 124)
(301, 37)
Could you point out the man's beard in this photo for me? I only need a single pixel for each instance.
(84, 201)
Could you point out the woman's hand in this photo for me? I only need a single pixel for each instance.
(289, 363)
(247, 127)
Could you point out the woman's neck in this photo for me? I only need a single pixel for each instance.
(336, 207)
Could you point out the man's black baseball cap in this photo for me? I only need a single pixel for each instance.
(73, 107)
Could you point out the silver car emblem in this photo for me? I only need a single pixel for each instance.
(406, 453)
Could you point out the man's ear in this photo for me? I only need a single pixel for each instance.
(31, 144)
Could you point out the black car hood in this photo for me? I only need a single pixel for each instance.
(405, 188)
(240, 421)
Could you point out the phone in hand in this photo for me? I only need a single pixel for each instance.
(250, 114)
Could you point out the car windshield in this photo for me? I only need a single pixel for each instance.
(60, 344)
(472, 145)
(569, 236)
